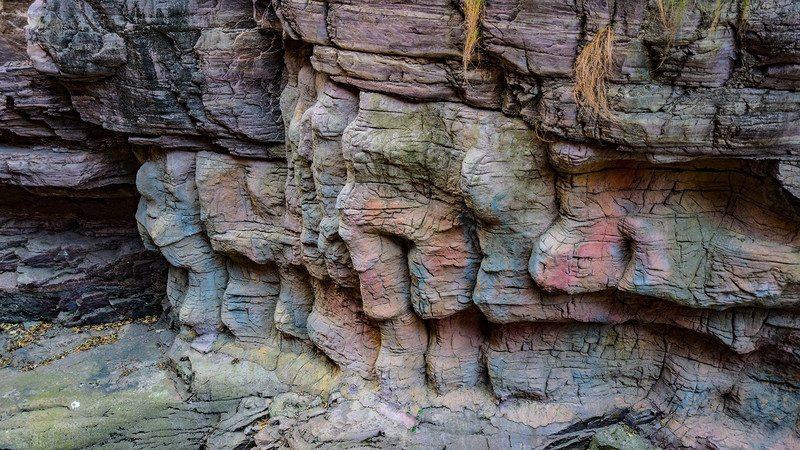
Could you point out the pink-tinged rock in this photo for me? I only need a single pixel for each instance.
(436, 246)
(170, 80)
(508, 186)
(539, 37)
(337, 326)
(455, 351)
(336, 107)
(296, 100)
(295, 301)
(612, 366)
(68, 39)
(697, 234)
(75, 259)
(401, 359)
(317, 112)
(304, 20)
(773, 43)
(234, 65)
(244, 218)
(415, 78)
(248, 305)
(427, 28)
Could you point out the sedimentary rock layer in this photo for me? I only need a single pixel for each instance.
(74, 259)
(327, 179)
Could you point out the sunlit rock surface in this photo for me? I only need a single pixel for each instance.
(408, 252)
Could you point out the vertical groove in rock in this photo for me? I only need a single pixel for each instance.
(346, 212)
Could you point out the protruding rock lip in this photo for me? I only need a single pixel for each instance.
(40, 166)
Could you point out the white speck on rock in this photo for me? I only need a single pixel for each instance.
(75, 405)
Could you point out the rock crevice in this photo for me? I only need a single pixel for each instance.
(344, 206)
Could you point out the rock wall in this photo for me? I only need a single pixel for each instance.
(69, 249)
(327, 181)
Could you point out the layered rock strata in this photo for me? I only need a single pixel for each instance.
(326, 181)
(68, 247)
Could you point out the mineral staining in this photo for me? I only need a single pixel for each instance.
(345, 208)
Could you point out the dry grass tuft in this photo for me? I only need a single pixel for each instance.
(672, 13)
(473, 10)
(717, 13)
(591, 73)
(743, 20)
(539, 133)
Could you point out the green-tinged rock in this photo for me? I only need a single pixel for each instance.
(619, 437)
(112, 396)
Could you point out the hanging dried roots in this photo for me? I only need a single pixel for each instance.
(591, 73)
(473, 9)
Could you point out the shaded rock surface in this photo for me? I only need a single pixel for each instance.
(68, 246)
(78, 260)
(371, 245)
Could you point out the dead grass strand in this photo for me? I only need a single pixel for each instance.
(473, 10)
(591, 73)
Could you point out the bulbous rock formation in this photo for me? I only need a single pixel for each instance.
(328, 183)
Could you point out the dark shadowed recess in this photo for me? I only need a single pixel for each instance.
(76, 259)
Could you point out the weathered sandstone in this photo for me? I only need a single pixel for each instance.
(398, 250)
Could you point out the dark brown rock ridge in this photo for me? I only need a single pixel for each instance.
(349, 212)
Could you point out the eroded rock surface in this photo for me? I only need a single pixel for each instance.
(73, 260)
(68, 246)
(439, 255)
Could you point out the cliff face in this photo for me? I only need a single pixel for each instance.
(68, 247)
(333, 189)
